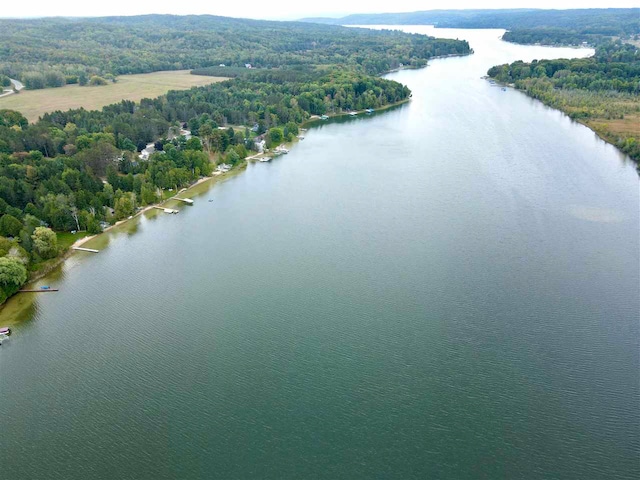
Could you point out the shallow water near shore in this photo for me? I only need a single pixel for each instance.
(448, 289)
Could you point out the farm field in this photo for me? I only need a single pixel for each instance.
(34, 103)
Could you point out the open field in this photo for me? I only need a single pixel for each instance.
(34, 103)
(629, 126)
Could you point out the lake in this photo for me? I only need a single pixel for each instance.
(449, 289)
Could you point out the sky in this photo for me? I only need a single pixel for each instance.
(276, 9)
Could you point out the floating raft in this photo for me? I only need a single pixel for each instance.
(86, 249)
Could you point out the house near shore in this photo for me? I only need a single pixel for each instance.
(146, 152)
(260, 144)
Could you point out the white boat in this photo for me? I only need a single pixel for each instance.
(353, 114)
(5, 332)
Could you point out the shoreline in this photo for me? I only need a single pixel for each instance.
(15, 307)
(602, 136)
(317, 120)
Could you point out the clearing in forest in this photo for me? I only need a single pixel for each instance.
(34, 103)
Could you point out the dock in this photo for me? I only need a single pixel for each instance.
(185, 200)
(38, 290)
(167, 210)
(82, 249)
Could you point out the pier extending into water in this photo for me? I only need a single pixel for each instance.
(82, 249)
(168, 210)
(38, 290)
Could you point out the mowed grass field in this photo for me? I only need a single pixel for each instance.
(34, 103)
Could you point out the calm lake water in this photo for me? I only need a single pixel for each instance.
(446, 290)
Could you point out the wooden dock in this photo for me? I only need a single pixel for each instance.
(86, 249)
(38, 290)
(167, 210)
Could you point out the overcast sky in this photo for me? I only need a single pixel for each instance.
(274, 9)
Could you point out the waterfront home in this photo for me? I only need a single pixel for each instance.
(146, 152)
(260, 144)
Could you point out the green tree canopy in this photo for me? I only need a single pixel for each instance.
(45, 242)
(10, 226)
(12, 273)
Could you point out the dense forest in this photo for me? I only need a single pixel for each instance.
(602, 91)
(80, 170)
(53, 52)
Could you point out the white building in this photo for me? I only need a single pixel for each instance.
(260, 145)
(144, 154)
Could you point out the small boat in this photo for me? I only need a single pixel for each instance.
(45, 287)
(324, 117)
(369, 110)
(210, 200)
(504, 89)
(353, 114)
(4, 333)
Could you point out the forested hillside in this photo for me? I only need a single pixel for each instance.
(52, 52)
(605, 21)
(602, 91)
(528, 26)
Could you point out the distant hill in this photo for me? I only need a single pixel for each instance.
(601, 21)
(49, 52)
